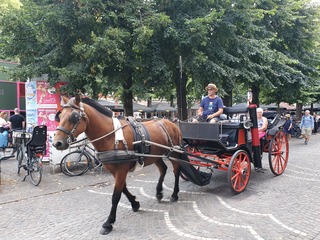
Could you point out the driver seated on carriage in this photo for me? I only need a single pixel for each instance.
(211, 107)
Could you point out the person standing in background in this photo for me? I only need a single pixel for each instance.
(315, 120)
(306, 125)
(16, 121)
(288, 126)
(4, 125)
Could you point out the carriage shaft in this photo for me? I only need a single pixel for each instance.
(172, 149)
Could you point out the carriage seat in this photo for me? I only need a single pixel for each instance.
(273, 126)
(230, 111)
(213, 134)
(234, 110)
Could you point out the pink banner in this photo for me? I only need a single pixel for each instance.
(46, 95)
(46, 117)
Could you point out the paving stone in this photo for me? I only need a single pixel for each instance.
(62, 207)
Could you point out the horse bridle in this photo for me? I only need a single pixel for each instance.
(74, 118)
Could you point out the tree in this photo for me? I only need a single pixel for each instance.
(6, 6)
(296, 25)
(132, 48)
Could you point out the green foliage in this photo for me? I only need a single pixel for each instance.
(133, 47)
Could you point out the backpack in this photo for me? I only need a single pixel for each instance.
(304, 117)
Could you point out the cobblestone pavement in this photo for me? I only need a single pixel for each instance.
(61, 207)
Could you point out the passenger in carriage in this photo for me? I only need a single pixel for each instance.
(262, 123)
(211, 107)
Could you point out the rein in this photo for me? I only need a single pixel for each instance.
(75, 118)
(97, 139)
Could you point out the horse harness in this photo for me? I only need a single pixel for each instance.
(140, 132)
(74, 118)
(141, 149)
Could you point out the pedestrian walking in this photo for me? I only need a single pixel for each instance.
(287, 127)
(306, 125)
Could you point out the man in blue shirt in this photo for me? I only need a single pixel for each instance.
(211, 107)
(306, 125)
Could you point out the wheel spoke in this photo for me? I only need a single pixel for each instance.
(239, 171)
(278, 154)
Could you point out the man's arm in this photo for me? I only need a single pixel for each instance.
(200, 111)
(216, 114)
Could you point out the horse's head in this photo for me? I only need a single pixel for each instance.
(72, 121)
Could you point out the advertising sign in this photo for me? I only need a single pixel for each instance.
(42, 103)
(31, 95)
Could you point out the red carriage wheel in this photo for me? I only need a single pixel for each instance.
(278, 153)
(239, 171)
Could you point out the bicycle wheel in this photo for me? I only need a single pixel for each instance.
(35, 170)
(19, 157)
(75, 163)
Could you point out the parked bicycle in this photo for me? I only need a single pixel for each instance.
(79, 161)
(30, 153)
(295, 130)
(20, 139)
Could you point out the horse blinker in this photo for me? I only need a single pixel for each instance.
(75, 117)
(57, 116)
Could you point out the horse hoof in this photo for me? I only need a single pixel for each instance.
(136, 206)
(174, 199)
(159, 196)
(105, 231)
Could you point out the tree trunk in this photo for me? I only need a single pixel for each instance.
(149, 102)
(298, 111)
(128, 96)
(255, 94)
(227, 100)
(180, 80)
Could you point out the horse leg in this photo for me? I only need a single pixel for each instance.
(120, 180)
(163, 170)
(132, 199)
(176, 172)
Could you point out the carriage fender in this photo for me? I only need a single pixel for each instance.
(272, 131)
(194, 175)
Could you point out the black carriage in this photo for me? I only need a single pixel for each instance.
(232, 146)
(122, 144)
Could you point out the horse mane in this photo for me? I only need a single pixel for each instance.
(98, 106)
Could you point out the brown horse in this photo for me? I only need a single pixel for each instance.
(118, 156)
